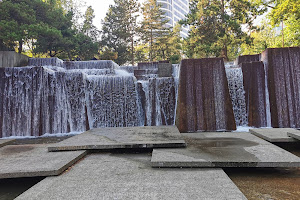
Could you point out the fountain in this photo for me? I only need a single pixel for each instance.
(52, 96)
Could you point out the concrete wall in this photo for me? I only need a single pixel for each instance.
(203, 101)
(12, 59)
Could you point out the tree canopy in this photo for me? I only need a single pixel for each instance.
(45, 25)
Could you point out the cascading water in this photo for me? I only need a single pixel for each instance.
(111, 101)
(158, 100)
(237, 94)
(62, 97)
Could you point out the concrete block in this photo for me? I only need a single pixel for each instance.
(295, 135)
(247, 58)
(12, 59)
(255, 94)
(224, 150)
(34, 160)
(122, 138)
(204, 102)
(109, 176)
(283, 65)
(275, 134)
(165, 70)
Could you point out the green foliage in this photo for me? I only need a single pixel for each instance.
(88, 28)
(269, 34)
(216, 26)
(108, 54)
(119, 29)
(45, 26)
(168, 47)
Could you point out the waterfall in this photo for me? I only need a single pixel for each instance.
(158, 99)
(111, 101)
(52, 96)
(237, 94)
(268, 108)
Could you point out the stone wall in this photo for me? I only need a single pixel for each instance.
(12, 59)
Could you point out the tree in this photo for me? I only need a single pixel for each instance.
(169, 46)
(86, 48)
(119, 29)
(153, 25)
(54, 33)
(15, 20)
(217, 24)
(88, 28)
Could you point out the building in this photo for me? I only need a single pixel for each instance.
(175, 10)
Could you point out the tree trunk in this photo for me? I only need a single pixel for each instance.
(132, 51)
(151, 38)
(20, 46)
(282, 34)
(224, 49)
(224, 53)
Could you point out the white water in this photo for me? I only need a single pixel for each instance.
(74, 97)
(237, 94)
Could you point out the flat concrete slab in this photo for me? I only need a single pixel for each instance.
(295, 135)
(275, 134)
(123, 138)
(34, 160)
(224, 150)
(4, 142)
(108, 176)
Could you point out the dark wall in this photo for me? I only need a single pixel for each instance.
(204, 103)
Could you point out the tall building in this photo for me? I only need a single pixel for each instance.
(175, 10)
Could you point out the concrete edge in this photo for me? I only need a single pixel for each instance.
(7, 143)
(118, 146)
(157, 164)
(294, 136)
(43, 173)
(272, 140)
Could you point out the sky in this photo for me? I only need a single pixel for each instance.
(100, 7)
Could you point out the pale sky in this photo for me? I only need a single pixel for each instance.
(100, 7)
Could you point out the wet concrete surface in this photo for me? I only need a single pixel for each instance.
(40, 140)
(269, 183)
(224, 150)
(255, 183)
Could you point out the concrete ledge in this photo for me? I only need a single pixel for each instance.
(224, 150)
(4, 142)
(275, 134)
(12, 59)
(34, 160)
(295, 135)
(122, 138)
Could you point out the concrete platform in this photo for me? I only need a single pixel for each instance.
(275, 134)
(34, 160)
(295, 135)
(4, 142)
(224, 150)
(122, 138)
(108, 176)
